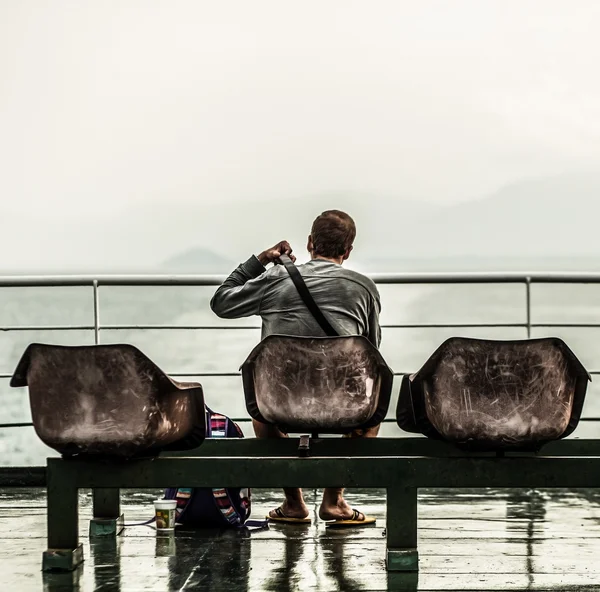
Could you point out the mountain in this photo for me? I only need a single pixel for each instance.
(541, 218)
(197, 260)
(548, 223)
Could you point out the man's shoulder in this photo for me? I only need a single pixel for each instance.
(277, 271)
(361, 279)
(345, 274)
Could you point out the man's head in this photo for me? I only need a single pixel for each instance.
(331, 236)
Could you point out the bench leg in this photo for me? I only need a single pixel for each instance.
(108, 520)
(402, 554)
(64, 551)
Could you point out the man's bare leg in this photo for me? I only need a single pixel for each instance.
(293, 505)
(334, 506)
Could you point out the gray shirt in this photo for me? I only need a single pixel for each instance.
(349, 300)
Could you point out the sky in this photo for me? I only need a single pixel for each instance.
(109, 105)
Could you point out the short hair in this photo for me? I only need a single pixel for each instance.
(333, 233)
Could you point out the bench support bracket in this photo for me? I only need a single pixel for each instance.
(108, 520)
(64, 551)
(62, 559)
(402, 554)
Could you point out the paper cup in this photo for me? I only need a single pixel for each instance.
(165, 515)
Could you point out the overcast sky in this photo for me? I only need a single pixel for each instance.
(108, 103)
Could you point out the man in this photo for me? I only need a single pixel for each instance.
(349, 300)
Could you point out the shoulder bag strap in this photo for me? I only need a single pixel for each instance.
(307, 297)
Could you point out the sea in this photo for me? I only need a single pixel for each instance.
(193, 352)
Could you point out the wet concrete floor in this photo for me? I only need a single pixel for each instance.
(468, 540)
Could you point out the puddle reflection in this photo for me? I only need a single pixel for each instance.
(208, 559)
(61, 582)
(529, 506)
(286, 574)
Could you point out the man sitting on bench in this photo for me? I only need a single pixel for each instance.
(349, 300)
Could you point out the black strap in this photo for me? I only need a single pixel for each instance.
(307, 297)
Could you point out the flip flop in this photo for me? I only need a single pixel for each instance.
(283, 519)
(354, 522)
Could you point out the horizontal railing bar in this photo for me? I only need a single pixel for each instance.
(393, 419)
(47, 328)
(179, 374)
(177, 327)
(227, 328)
(487, 278)
(233, 374)
(567, 325)
(239, 373)
(201, 374)
(455, 325)
(109, 280)
(254, 328)
(207, 374)
(241, 327)
(380, 278)
(247, 419)
(16, 328)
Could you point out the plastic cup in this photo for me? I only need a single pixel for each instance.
(165, 515)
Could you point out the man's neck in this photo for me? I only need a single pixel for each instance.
(338, 260)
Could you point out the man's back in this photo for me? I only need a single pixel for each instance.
(349, 300)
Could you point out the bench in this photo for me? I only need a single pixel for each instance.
(399, 465)
(314, 385)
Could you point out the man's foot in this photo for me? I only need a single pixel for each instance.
(290, 510)
(339, 511)
(358, 520)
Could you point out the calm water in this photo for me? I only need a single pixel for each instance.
(180, 351)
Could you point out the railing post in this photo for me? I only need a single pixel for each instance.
(528, 297)
(96, 313)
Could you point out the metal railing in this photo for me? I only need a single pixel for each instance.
(95, 282)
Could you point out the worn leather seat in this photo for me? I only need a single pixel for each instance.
(493, 395)
(317, 384)
(108, 400)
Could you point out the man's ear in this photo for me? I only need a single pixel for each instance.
(347, 253)
(309, 244)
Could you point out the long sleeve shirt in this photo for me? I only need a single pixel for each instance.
(349, 300)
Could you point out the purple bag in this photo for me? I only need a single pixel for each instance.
(217, 507)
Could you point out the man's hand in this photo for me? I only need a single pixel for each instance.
(272, 255)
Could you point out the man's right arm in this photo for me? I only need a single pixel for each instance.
(242, 292)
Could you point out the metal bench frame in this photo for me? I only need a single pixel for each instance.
(400, 465)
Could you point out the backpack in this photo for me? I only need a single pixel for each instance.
(215, 507)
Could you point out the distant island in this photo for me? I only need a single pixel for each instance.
(197, 260)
